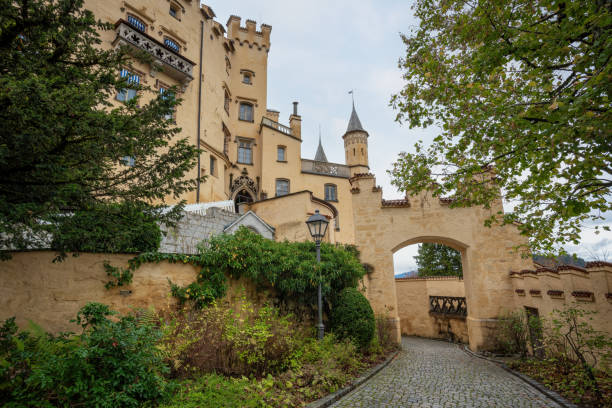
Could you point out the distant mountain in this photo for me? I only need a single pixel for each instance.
(408, 274)
(559, 260)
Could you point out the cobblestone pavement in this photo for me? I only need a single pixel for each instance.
(435, 374)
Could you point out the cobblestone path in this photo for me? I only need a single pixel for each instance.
(435, 374)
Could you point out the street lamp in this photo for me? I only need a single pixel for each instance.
(317, 225)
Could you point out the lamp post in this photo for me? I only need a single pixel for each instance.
(317, 226)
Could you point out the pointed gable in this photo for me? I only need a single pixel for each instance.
(320, 155)
(354, 122)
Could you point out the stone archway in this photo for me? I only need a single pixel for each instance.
(384, 226)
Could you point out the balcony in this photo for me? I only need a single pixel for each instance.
(171, 62)
(448, 306)
(276, 126)
(325, 168)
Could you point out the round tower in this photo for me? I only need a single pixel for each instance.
(356, 145)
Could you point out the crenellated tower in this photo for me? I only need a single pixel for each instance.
(356, 145)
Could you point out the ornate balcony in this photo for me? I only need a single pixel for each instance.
(171, 62)
(450, 306)
(325, 168)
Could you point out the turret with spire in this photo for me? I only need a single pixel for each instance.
(320, 155)
(356, 145)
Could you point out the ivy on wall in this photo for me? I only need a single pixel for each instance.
(288, 267)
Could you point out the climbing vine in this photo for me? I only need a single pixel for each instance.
(288, 267)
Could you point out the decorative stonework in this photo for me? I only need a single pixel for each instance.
(535, 292)
(325, 168)
(555, 294)
(583, 295)
(180, 67)
(244, 182)
(520, 292)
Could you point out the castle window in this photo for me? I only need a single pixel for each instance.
(246, 78)
(246, 112)
(245, 151)
(125, 95)
(128, 161)
(213, 166)
(353, 151)
(173, 11)
(282, 187)
(226, 102)
(166, 94)
(281, 154)
(172, 45)
(331, 192)
(228, 65)
(136, 23)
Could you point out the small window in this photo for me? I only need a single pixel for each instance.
(246, 112)
(213, 166)
(247, 78)
(172, 44)
(228, 65)
(165, 94)
(128, 161)
(245, 151)
(136, 23)
(125, 95)
(226, 102)
(174, 11)
(282, 187)
(280, 154)
(331, 192)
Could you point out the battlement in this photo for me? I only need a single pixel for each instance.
(248, 35)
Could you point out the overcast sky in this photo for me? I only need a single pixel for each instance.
(320, 51)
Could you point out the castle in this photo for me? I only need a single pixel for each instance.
(252, 159)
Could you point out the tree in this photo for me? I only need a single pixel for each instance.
(64, 147)
(521, 91)
(438, 260)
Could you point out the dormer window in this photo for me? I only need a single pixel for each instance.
(172, 45)
(136, 23)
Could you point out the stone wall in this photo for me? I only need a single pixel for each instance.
(413, 307)
(193, 229)
(546, 289)
(32, 287)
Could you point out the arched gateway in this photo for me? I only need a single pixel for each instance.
(385, 226)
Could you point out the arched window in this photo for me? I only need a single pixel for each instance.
(242, 197)
(282, 187)
(331, 192)
(170, 43)
(136, 23)
(246, 112)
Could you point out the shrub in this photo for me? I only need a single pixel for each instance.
(352, 317)
(383, 332)
(250, 341)
(512, 332)
(112, 363)
(109, 228)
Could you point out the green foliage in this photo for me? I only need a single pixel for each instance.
(352, 317)
(214, 390)
(63, 138)
(438, 260)
(108, 228)
(513, 332)
(112, 363)
(290, 268)
(520, 90)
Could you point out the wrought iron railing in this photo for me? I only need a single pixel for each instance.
(180, 67)
(448, 305)
(325, 168)
(276, 126)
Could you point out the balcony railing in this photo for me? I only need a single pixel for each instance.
(276, 126)
(325, 168)
(179, 67)
(448, 306)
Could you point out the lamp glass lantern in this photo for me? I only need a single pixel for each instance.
(317, 226)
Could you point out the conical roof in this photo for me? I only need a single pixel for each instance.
(354, 122)
(320, 155)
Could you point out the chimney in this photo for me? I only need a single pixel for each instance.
(295, 122)
(272, 114)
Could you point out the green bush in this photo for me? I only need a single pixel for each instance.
(109, 228)
(112, 363)
(352, 317)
